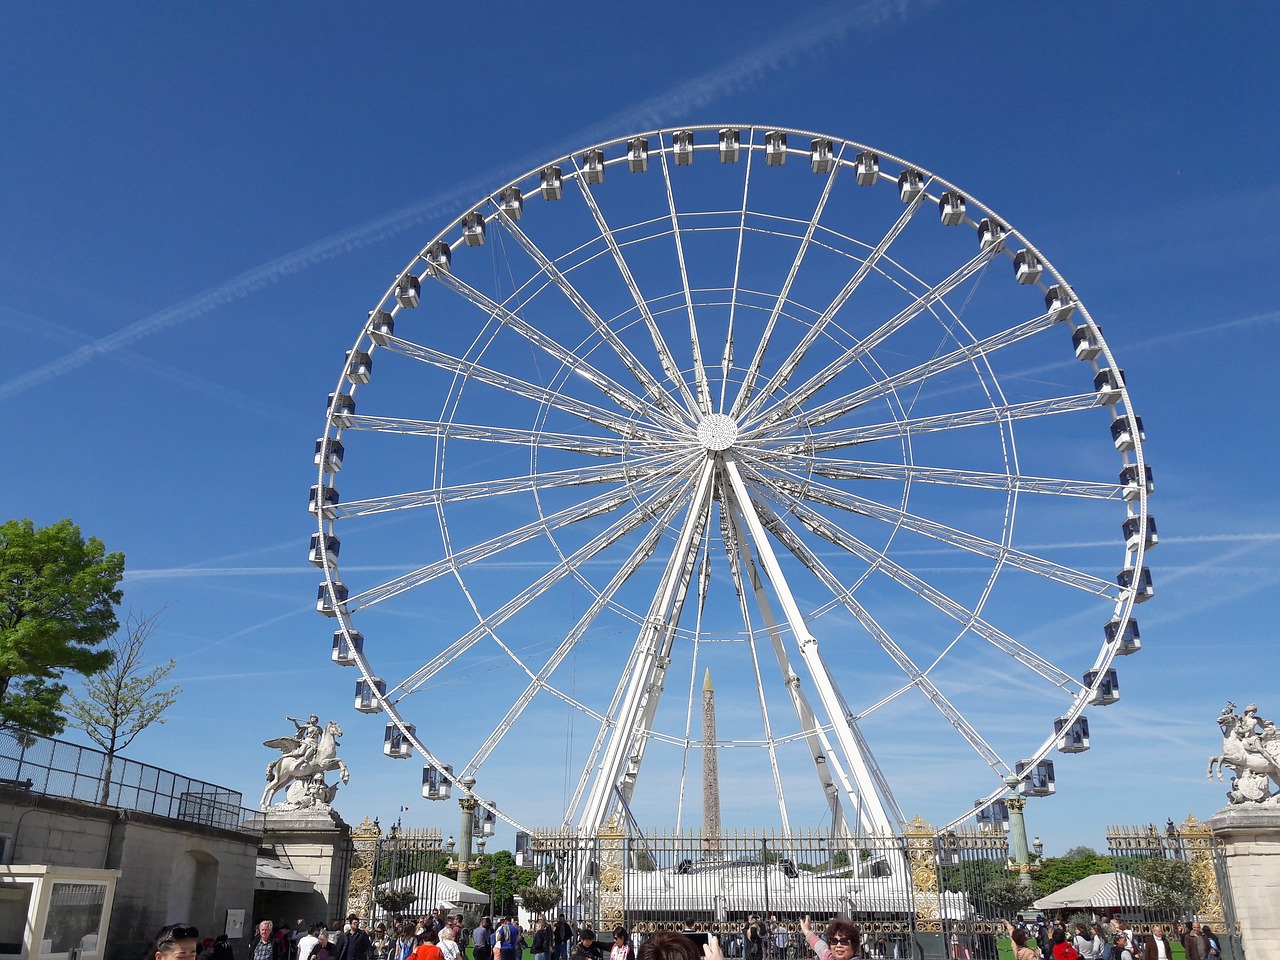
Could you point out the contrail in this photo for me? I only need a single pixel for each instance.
(823, 30)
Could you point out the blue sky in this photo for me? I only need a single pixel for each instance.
(200, 204)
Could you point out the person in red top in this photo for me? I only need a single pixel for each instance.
(1061, 949)
(428, 946)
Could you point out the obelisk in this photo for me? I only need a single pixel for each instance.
(710, 772)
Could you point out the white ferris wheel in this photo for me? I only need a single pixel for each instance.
(758, 402)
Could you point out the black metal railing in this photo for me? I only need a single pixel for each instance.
(57, 768)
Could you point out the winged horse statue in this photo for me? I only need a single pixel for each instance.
(304, 759)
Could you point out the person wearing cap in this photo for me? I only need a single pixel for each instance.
(177, 941)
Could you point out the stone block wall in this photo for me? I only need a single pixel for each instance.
(170, 870)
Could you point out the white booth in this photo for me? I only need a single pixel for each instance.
(54, 913)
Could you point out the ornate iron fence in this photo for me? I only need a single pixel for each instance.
(899, 889)
(61, 769)
(1173, 873)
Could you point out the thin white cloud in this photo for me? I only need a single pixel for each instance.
(824, 30)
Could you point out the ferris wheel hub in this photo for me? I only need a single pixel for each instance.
(717, 432)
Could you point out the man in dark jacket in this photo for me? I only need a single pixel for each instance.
(265, 945)
(352, 945)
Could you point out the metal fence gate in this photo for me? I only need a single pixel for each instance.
(1174, 872)
(902, 890)
(402, 859)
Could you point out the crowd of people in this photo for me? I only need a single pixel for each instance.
(1045, 940)
(438, 936)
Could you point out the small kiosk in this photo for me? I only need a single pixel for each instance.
(54, 913)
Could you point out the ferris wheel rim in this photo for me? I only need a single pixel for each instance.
(1124, 606)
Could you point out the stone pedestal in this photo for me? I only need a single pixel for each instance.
(318, 846)
(1250, 842)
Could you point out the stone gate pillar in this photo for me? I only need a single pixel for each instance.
(1249, 848)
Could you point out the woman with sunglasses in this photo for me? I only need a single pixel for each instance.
(843, 939)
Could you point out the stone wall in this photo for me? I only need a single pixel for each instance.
(318, 846)
(170, 870)
(1250, 838)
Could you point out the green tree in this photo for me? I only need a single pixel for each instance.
(538, 899)
(395, 902)
(1007, 894)
(500, 878)
(1170, 888)
(58, 594)
(1080, 853)
(125, 698)
(1058, 872)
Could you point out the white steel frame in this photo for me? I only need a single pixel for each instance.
(680, 424)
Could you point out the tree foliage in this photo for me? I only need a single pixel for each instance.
(125, 698)
(1080, 853)
(500, 878)
(1007, 894)
(58, 593)
(396, 901)
(1170, 887)
(537, 899)
(1058, 872)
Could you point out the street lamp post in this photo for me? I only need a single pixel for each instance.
(393, 850)
(466, 833)
(493, 882)
(1021, 862)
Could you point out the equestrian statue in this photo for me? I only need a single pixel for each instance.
(305, 757)
(1250, 747)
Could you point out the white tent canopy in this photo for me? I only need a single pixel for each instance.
(1099, 890)
(442, 891)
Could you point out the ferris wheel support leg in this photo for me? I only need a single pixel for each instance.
(867, 801)
(825, 760)
(625, 750)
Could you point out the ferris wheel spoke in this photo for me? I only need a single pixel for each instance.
(970, 353)
(836, 535)
(656, 506)
(757, 360)
(699, 370)
(969, 542)
(644, 469)
(653, 390)
(833, 468)
(517, 387)
(595, 507)
(925, 301)
(603, 598)
(571, 361)
(483, 433)
(784, 374)
(726, 358)
(665, 357)
(917, 677)
(916, 426)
